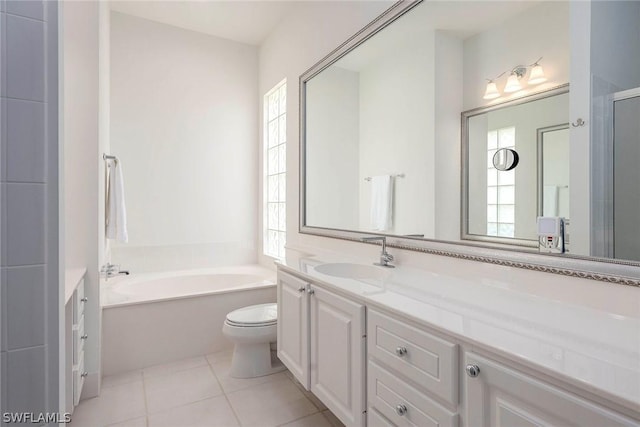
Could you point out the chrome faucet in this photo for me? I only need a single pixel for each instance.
(385, 257)
(110, 270)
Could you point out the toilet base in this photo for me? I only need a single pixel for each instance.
(254, 360)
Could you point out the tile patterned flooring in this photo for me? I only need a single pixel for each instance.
(199, 392)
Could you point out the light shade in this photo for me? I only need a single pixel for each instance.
(513, 85)
(537, 75)
(492, 91)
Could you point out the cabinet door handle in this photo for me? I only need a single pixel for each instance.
(85, 299)
(311, 291)
(84, 374)
(84, 337)
(301, 289)
(473, 370)
(401, 409)
(401, 351)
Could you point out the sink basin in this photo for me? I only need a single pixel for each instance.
(353, 271)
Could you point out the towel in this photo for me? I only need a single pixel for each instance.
(381, 202)
(550, 200)
(116, 210)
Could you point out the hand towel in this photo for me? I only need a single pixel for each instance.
(550, 200)
(116, 210)
(381, 202)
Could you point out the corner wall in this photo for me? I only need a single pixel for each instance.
(184, 125)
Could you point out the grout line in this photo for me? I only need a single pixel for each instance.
(224, 393)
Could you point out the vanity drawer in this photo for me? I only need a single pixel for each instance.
(425, 359)
(401, 403)
(78, 379)
(78, 340)
(79, 301)
(375, 419)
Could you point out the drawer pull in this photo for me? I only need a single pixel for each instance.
(85, 299)
(301, 289)
(401, 351)
(84, 374)
(473, 370)
(401, 410)
(84, 337)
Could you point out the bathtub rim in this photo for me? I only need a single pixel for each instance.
(268, 280)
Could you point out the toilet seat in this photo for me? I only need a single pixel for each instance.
(254, 316)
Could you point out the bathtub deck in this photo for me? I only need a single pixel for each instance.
(199, 392)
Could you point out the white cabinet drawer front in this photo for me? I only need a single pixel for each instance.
(78, 342)
(78, 379)
(500, 396)
(423, 358)
(403, 404)
(375, 419)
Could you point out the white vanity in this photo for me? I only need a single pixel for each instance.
(75, 336)
(405, 347)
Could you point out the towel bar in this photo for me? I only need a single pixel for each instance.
(397, 175)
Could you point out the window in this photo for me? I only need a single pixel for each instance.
(501, 188)
(275, 164)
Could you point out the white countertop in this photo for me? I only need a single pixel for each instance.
(72, 277)
(593, 348)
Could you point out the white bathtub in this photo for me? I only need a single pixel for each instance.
(156, 318)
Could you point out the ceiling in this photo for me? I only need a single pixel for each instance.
(243, 21)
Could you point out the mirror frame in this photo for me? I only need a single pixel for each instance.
(602, 269)
(465, 235)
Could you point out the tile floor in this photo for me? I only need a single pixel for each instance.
(199, 392)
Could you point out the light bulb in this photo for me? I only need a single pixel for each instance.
(513, 85)
(492, 91)
(537, 75)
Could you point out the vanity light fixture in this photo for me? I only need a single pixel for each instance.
(536, 76)
(513, 82)
(492, 91)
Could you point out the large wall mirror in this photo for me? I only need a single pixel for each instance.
(451, 126)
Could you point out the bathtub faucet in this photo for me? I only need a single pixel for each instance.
(110, 270)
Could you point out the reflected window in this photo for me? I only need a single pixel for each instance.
(275, 160)
(501, 188)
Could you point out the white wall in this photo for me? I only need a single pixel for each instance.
(518, 41)
(333, 134)
(81, 164)
(184, 125)
(396, 133)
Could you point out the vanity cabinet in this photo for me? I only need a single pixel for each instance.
(499, 396)
(412, 376)
(321, 339)
(74, 346)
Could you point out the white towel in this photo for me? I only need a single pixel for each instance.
(550, 200)
(116, 210)
(381, 202)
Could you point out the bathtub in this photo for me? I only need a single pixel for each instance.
(156, 318)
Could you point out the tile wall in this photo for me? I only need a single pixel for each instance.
(28, 207)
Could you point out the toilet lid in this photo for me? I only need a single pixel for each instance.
(261, 314)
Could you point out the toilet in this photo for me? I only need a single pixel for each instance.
(252, 330)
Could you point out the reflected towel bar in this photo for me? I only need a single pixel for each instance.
(106, 157)
(397, 175)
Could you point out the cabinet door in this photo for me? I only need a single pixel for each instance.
(338, 355)
(293, 326)
(499, 396)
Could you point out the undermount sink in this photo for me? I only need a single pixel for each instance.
(353, 271)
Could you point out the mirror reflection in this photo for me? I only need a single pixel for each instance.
(385, 151)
